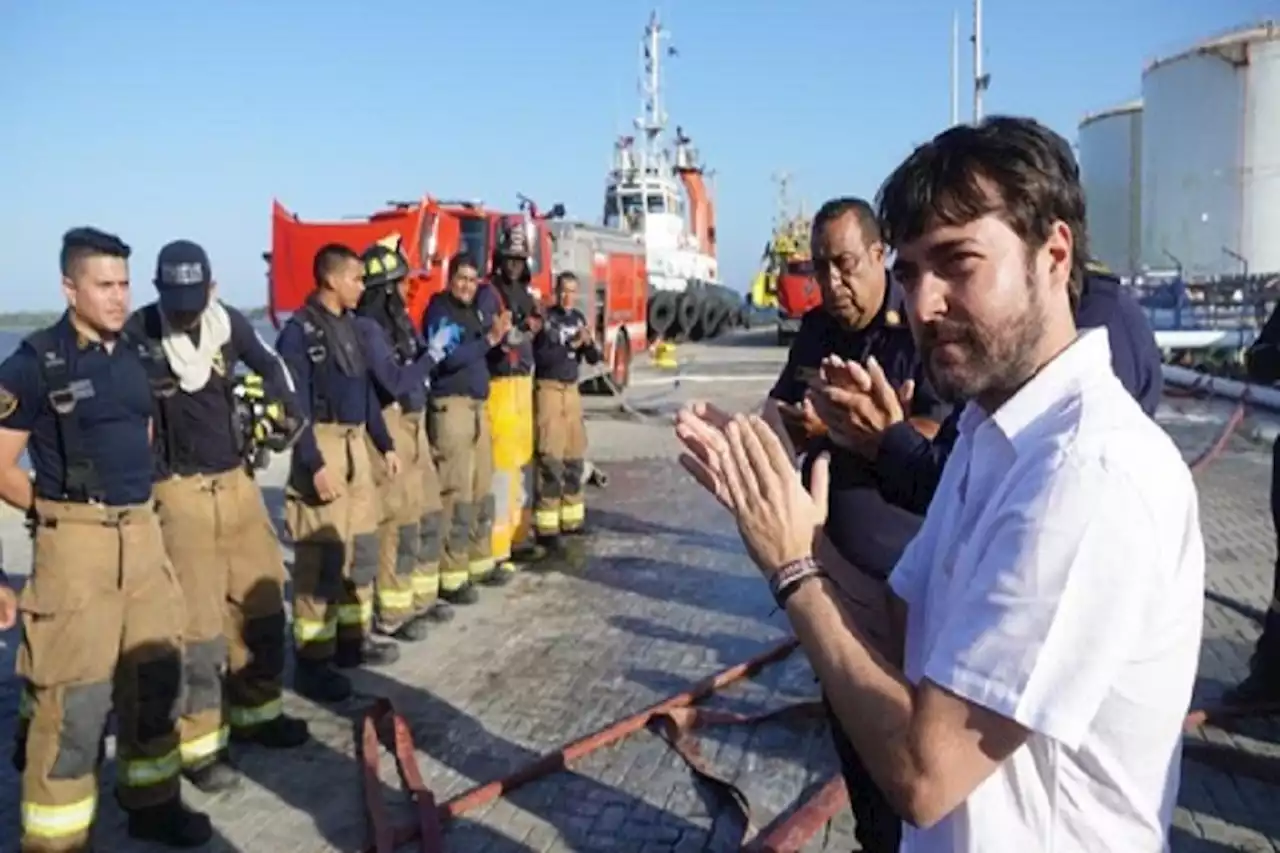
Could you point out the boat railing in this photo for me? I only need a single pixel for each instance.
(1237, 303)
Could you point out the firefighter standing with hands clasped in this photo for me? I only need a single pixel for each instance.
(564, 341)
(217, 529)
(331, 504)
(103, 614)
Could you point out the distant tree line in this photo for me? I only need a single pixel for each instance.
(11, 320)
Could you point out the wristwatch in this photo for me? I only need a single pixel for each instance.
(787, 580)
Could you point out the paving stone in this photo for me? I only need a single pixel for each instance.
(666, 598)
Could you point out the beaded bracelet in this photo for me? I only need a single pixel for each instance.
(791, 577)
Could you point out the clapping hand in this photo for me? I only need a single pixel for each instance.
(743, 463)
(857, 404)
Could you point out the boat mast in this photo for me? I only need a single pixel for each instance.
(955, 68)
(980, 80)
(653, 120)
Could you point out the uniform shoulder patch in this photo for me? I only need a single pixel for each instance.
(8, 403)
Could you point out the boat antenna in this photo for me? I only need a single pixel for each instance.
(653, 119)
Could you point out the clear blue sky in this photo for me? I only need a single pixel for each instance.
(162, 120)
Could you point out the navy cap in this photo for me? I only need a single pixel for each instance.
(183, 277)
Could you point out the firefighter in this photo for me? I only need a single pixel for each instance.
(561, 439)
(408, 587)
(511, 400)
(216, 527)
(102, 615)
(331, 504)
(1263, 681)
(458, 427)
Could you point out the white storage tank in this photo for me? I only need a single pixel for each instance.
(1211, 156)
(1110, 147)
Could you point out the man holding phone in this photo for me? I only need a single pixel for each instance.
(861, 319)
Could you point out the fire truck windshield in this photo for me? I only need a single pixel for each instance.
(799, 268)
(475, 240)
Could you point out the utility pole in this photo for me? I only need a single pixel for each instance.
(955, 68)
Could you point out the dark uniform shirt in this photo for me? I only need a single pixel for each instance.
(910, 465)
(112, 394)
(464, 372)
(554, 355)
(345, 399)
(1263, 357)
(394, 379)
(195, 432)
(514, 357)
(863, 527)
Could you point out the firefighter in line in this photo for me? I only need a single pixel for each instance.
(408, 587)
(331, 504)
(217, 530)
(1263, 681)
(458, 427)
(861, 318)
(564, 341)
(102, 614)
(511, 366)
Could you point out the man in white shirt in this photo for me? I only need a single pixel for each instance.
(1051, 605)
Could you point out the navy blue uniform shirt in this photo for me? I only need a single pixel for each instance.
(513, 359)
(113, 408)
(1263, 358)
(910, 465)
(554, 355)
(866, 530)
(393, 380)
(195, 432)
(350, 399)
(464, 372)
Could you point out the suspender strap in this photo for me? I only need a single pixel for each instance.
(80, 480)
(318, 352)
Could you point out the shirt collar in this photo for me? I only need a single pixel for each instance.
(1086, 356)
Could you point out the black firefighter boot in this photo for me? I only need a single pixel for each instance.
(465, 594)
(213, 775)
(411, 630)
(439, 611)
(280, 732)
(555, 549)
(170, 823)
(320, 682)
(365, 652)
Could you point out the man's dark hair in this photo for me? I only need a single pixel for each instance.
(563, 277)
(81, 243)
(460, 260)
(1015, 168)
(838, 208)
(328, 259)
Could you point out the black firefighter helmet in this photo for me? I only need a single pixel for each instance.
(384, 266)
(513, 240)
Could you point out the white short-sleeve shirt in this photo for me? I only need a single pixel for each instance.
(1058, 580)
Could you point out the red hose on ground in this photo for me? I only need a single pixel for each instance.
(429, 830)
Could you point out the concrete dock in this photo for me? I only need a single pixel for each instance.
(666, 597)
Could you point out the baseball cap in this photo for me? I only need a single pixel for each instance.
(183, 277)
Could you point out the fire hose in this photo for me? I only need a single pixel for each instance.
(676, 718)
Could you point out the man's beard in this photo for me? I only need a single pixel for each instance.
(994, 361)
